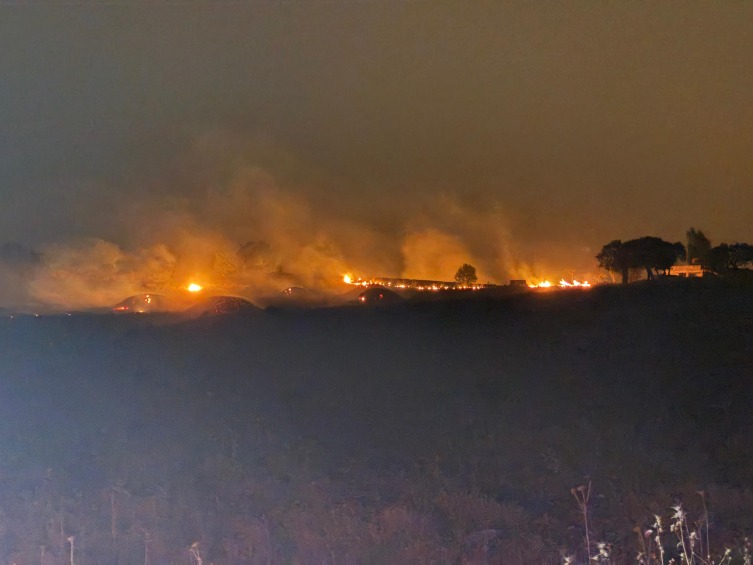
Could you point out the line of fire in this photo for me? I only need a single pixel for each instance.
(199, 296)
(414, 284)
(429, 285)
(375, 290)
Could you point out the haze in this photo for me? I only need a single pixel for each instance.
(384, 138)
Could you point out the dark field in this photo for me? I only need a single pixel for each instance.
(437, 432)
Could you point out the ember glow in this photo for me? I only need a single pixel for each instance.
(414, 284)
(562, 284)
(193, 287)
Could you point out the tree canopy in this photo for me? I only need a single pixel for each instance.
(698, 246)
(466, 275)
(614, 258)
(650, 253)
(725, 258)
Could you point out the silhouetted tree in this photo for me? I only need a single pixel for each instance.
(741, 255)
(656, 255)
(698, 246)
(724, 258)
(718, 259)
(466, 275)
(614, 258)
(650, 253)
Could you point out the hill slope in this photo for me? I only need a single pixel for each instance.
(438, 431)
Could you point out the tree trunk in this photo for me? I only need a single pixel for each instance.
(625, 273)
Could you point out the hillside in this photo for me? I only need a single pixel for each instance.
(443, 431)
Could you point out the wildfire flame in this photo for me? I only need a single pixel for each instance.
(351, 279)
(562, 284)
(193, 287)
(438, 285)
(421, 285)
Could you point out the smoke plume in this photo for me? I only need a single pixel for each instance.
(220, 218)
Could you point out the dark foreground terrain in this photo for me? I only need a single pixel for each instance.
(442, 432)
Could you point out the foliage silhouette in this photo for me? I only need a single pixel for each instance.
(725, 258)
(698, 246)
(466, 275)
(650, 253)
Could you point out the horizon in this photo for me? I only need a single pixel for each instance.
(389, 139)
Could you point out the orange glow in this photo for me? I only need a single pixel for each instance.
(562, 284)
(351, 279)
(584, 284)
(193, 287)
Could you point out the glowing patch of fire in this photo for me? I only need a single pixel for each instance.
(414, 284)
(193, 287)
(562, 284)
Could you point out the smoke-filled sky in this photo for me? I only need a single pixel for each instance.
(142, 143)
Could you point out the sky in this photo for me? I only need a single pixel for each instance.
(142, 143)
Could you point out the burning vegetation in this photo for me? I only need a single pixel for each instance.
(284, 244)
(427, 285)
(412, 284)
(562, 284)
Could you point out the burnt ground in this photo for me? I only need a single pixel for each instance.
(420, 432)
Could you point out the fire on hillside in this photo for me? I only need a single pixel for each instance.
(413, 284)
(428, 285)
(562, 284)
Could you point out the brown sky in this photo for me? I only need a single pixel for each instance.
(567, 123)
